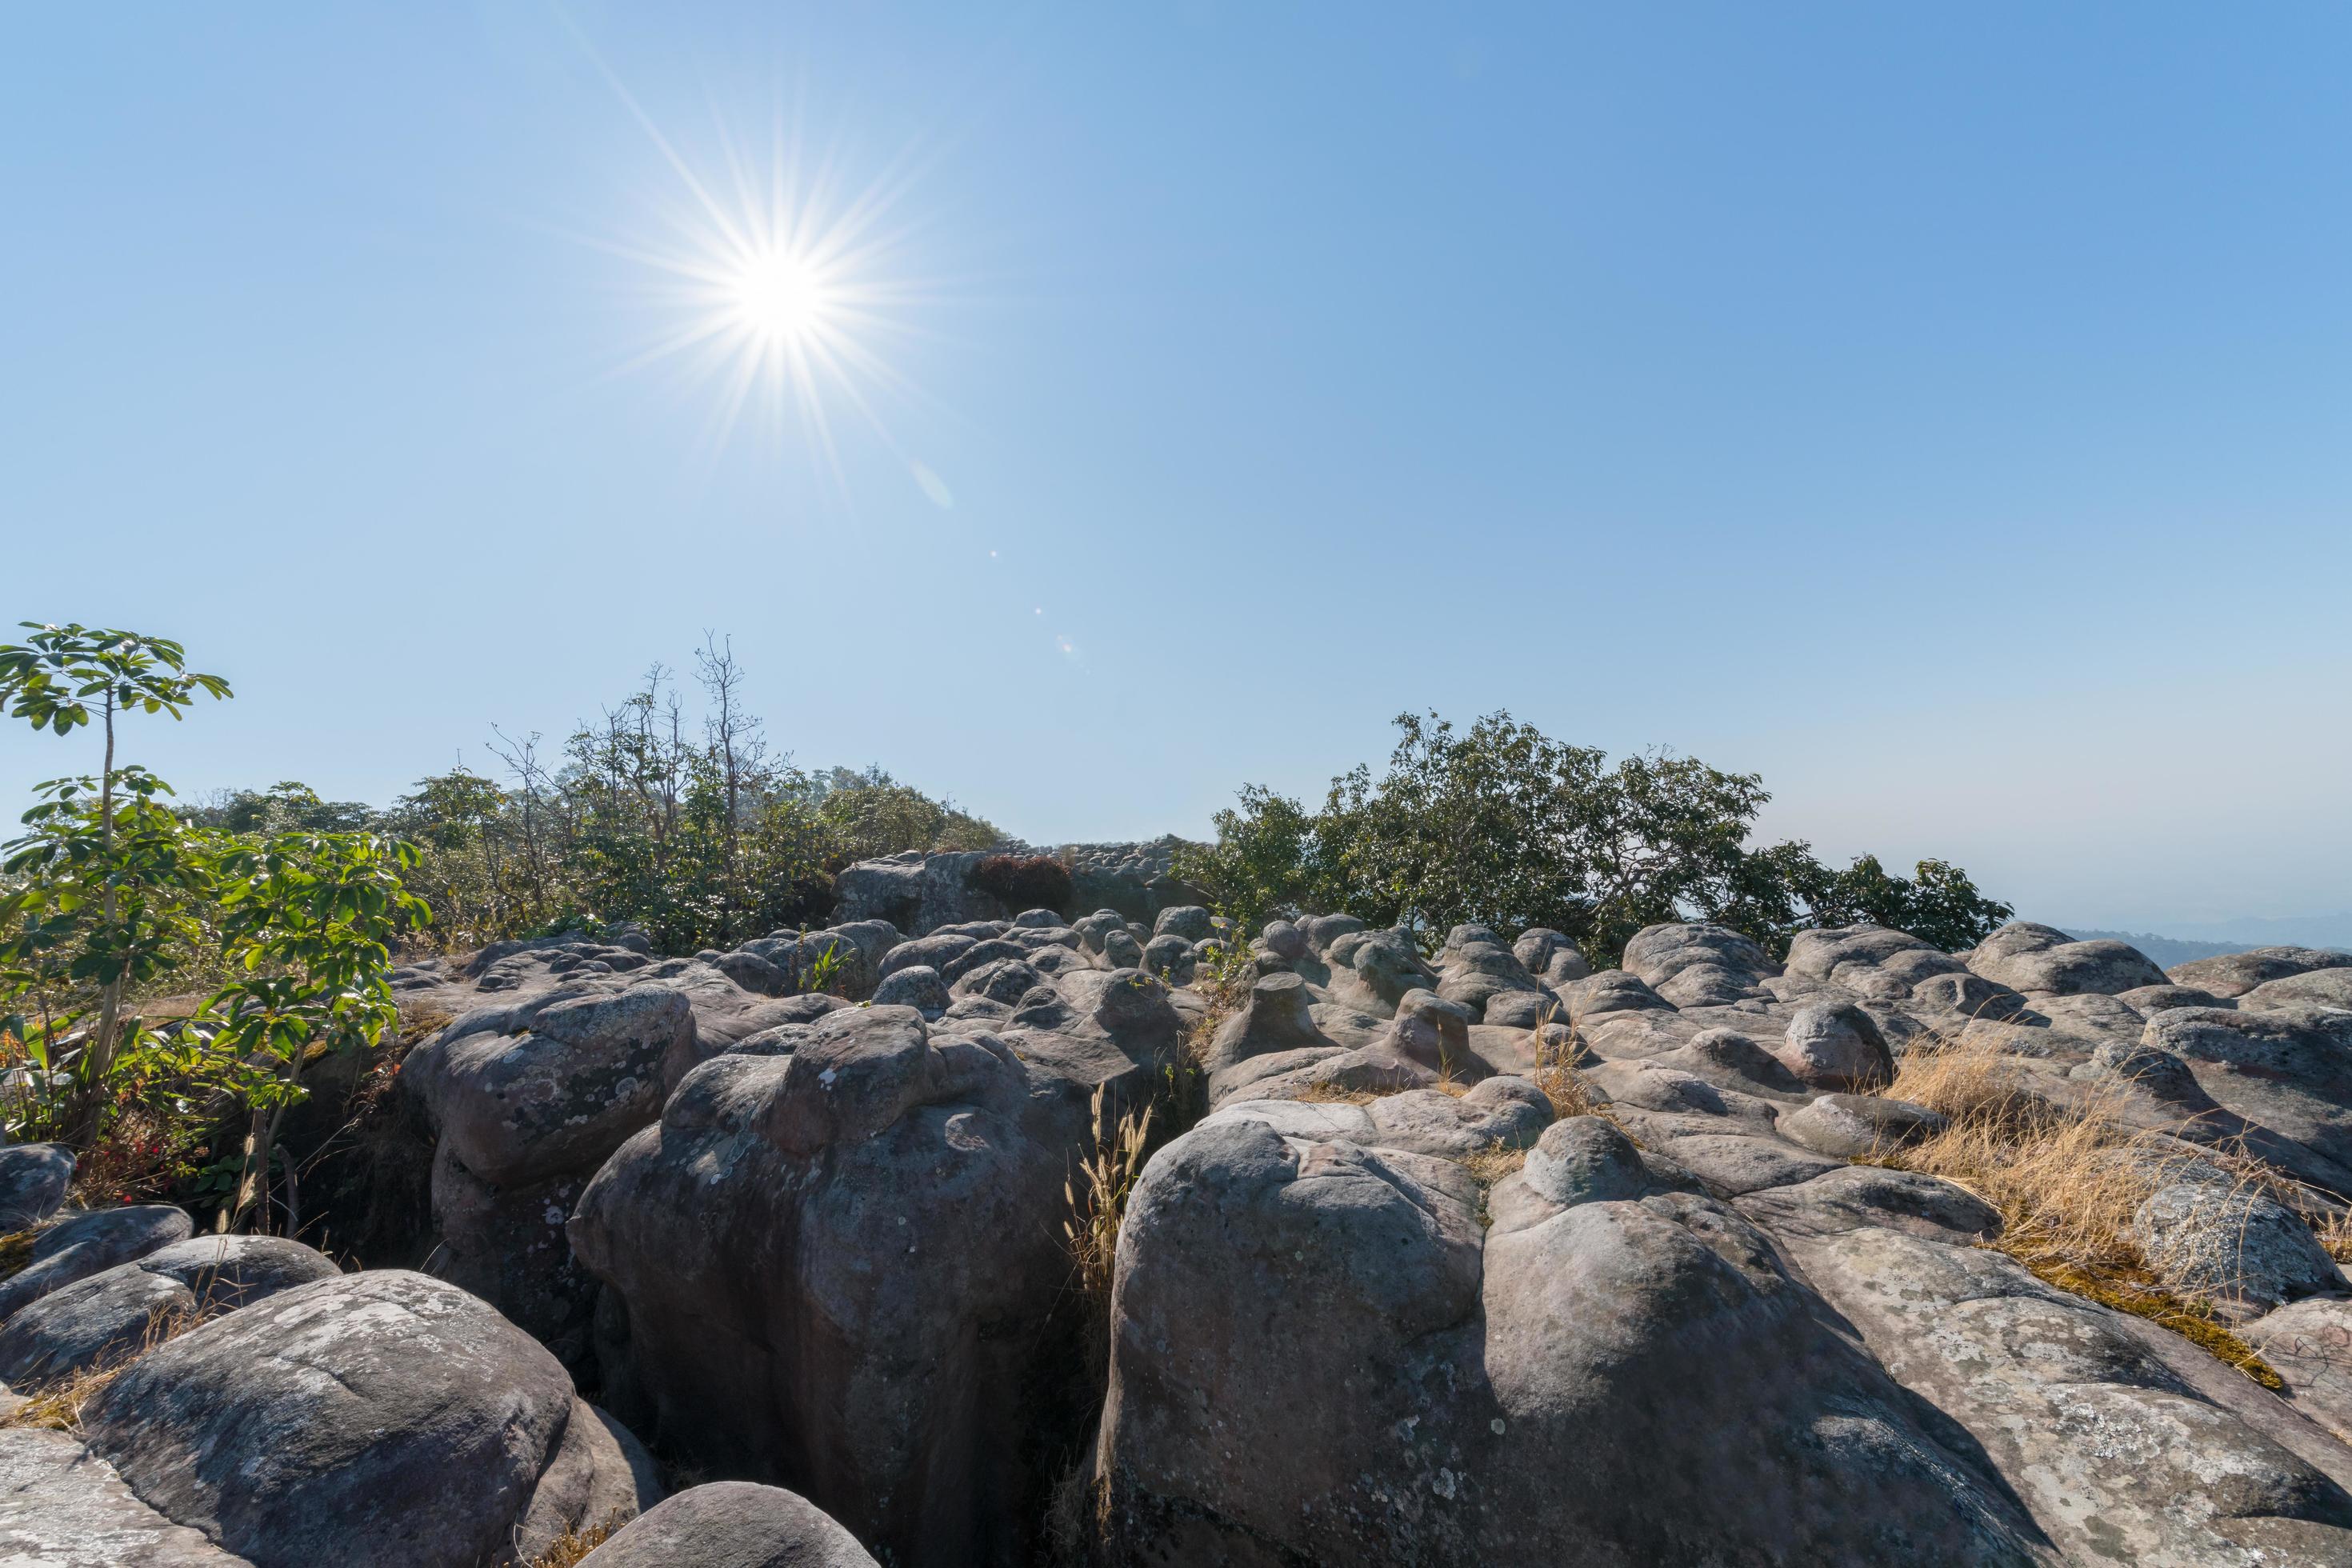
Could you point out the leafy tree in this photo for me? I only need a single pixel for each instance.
(109, 875)
(1503, 825)
(309, 917)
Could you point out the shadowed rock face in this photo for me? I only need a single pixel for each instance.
(863, 1305)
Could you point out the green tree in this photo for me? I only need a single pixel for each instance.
(108, 876)
(1502, 826)
(309, 917)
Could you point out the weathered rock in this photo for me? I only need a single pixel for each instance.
(2235, 973)
(2214, 1238)
(1835, 1046)
(2042, 959)
(1171, 958)
(864, 1307)
(1190, 921)
(384, 1417)
(917, 988)
(33, 1182)
(113, 1314)
(732, 1524)
(1610, 991)
(1851, 1125)
(1474, 967)
(2126, 1443)
(1373, 969)
(64, 1506)
(1310, 1363)
(91, 1244)
(1551, 957)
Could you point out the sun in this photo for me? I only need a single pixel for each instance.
(780, 297)
(785, 283)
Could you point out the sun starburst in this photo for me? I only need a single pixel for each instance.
(782, 284)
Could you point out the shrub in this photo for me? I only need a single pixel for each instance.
(1502, 826)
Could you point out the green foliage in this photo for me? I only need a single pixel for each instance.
(1502, 826)
(54, 675)
(108, 892)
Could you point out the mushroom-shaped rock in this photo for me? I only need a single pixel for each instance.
(732, 1524)
(1190, 921)
(1835, 1046)
(384, 1417)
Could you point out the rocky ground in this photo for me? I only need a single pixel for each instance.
(799, 1258)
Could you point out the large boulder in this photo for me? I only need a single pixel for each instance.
(860, 1301)
(2235, 973)
(2127, 1443)
(1836, 1047)
(2039, 959)
(114, 1314)
(1319, 1355)
(91, 1244)
(1372, 970)
(526, 1104)
(386, 1417)
(1474, 967)
(732, 1524)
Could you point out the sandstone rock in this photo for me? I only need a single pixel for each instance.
(33, 1182)
(2209, 1235)
(732, 1524)
(917, 987)
(89, 1244)
(864, 1307)
(2235, 973)
(64, 1506)
(1474, 967)
(384, 1417)
(1610, 991)
(1372, 970)
(1190, 921)
(2038, 958)
(1549, 956)
(1835, 1046)
(113, 1314)
(1311, 1361)
(1171, 958)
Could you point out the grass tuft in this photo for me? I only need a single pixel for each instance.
(2067, 1180)
(567, 1548)
(1097, 1195)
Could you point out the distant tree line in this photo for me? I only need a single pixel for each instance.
(695, 831)
(1500, 825)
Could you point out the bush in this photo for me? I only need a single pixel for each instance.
(1502, 826)
(1025, 882)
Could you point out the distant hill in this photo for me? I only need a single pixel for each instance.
(2167, 951)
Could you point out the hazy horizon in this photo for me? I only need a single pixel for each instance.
(1941, 416)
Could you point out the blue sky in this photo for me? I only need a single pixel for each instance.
(1943, 412)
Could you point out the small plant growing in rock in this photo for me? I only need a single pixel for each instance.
(1097, 1195)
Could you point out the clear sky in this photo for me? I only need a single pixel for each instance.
(1946, 412)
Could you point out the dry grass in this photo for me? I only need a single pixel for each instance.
(567, 1548)
(2067, 1181)
(17, 1251)
(1493, 1163)
(1332, 1094)
(1098, 1195)
(55, 1404)
(1556, 1075)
